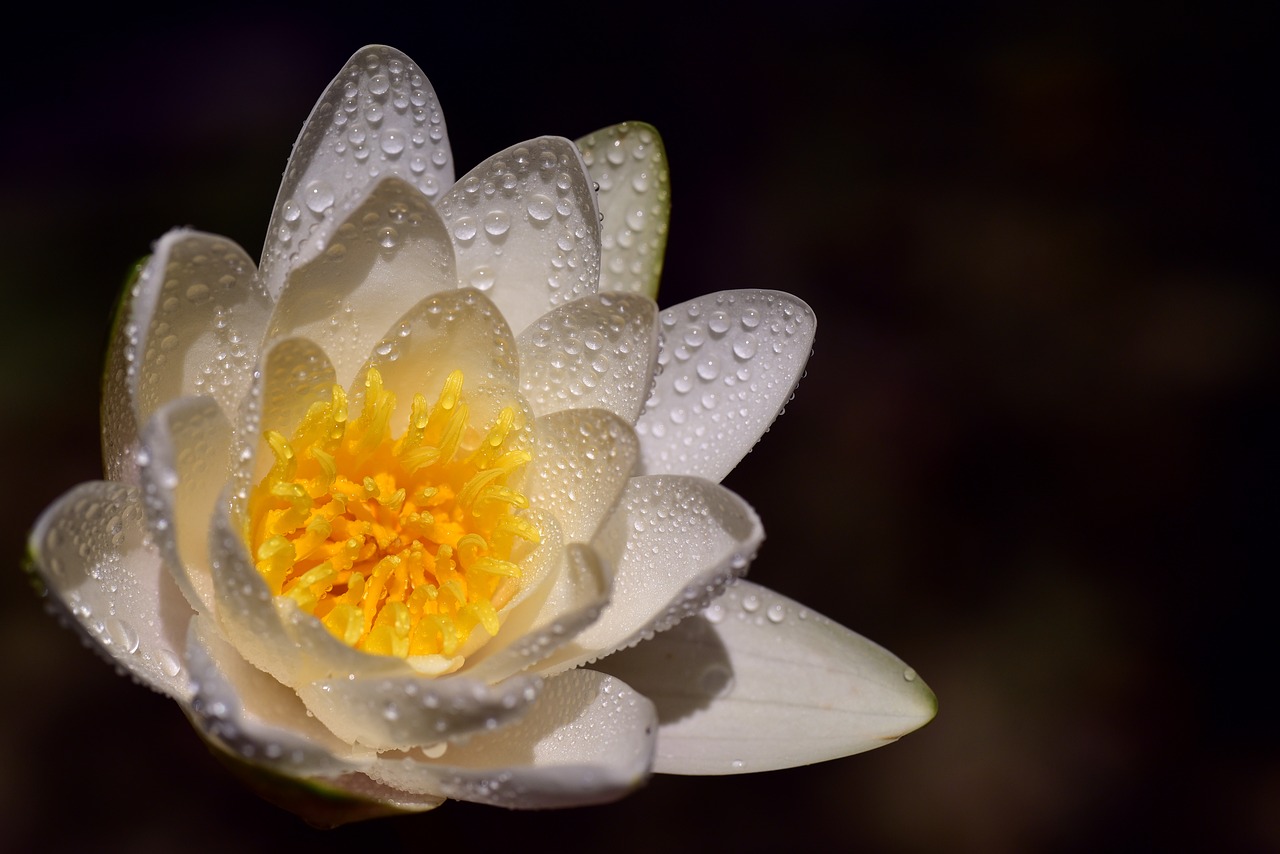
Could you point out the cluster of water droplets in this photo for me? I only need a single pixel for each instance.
(629, 167)
(91, 556)
(380, 117)
(729, 362)
(525, 217)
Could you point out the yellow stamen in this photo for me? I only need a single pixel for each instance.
(399, 546)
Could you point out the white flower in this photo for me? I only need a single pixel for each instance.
(373, 509)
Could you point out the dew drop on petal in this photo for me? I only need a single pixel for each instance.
(318, 196)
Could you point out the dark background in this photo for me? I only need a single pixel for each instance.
(1033, 455)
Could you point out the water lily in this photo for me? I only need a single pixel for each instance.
(427, 505)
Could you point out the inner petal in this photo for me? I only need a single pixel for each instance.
(407, 546)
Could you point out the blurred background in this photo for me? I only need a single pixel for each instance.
(1034, 453)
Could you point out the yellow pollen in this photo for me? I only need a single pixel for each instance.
(405, 547)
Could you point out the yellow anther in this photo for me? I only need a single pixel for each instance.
(401, 546)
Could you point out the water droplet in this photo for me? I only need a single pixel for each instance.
(745, 347)
(292, 211)
(777, 612)
(540, 208)
(318, 196)
(122, 635)
(392, 142)
(909, 675)
(379, 84)
(465, 228)
(482, 278)
(751, 603)
(496, 223)
(169, 663)
(709, 368)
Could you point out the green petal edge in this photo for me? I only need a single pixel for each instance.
(629, 164)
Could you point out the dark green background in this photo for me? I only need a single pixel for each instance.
(1034, 454)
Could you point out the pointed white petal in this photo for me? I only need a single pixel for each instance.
(730, 362)
(379, 117)
(629, 164)
(581, 464)
(390, 252)
(91, 552)
(198, 308)
(587, 740)
(184, 467)
(526, 228)
(675, 542)
(598, 351)
(759, 682)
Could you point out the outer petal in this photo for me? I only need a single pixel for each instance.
(379, 117)
(675, 542)
(599, 351)
(196, 314)
(583, 460)
(526, 228)
(91, 551)
(730, 362)
(388, 254)
(588, 739)
(759, 682)
(265, 731)
(119, 423)
(184, 465)
(628, 163)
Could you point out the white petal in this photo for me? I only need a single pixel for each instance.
(198, 309)
(581, 464)
(91, 552)
(256, 720)
(629, 164)
(295, 374)
(447, 331)
(389, 253)
(587, 740)
(119, 423)
(252, 715)
(730, 362)
(184, 467)
(379, 117)
(246, 613)
(526, 228)
(675, 542)
(541, 624)
(759, 682)
(599, 351)
(401, 712)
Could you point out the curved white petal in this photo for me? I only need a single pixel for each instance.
(404, 711)
(598, 351)
(730, 362)
(526, 228)
(91, 552)
(246, 613)
(759, 682)
(541, 624)
(197, 309)
(390, 252)
(674, 542)
(582, 460)
(119, 423)
(295, 374)
(379, 117)
(588, 739)
(447, 331)
(184, 464)
(629, 164)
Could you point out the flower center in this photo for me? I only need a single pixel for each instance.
(399, 546)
